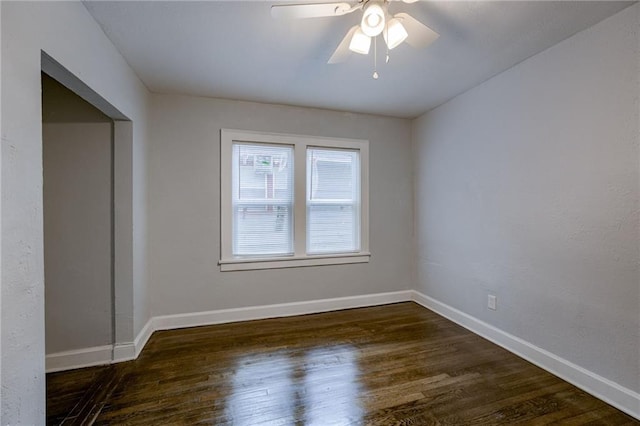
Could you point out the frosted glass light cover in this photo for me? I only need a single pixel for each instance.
(395, 33)
(360, 42)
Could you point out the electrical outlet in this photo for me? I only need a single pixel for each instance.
(492, 302)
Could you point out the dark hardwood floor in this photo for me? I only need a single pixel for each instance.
(396, 364)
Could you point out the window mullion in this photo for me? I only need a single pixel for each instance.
(300, 199)
(363, 205)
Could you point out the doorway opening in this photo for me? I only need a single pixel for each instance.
(88, 217)
(77, 148)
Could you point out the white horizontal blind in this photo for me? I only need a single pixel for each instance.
(262, 200)
(333, 201)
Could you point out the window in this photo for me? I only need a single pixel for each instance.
(333, 201)
(262, 200)
(290, 201)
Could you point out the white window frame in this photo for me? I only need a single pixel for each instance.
(300, 258)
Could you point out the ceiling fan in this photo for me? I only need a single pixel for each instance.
(375, 21)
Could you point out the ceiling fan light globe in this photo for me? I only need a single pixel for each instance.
(360, 42)
(395, 33)
(373, 19)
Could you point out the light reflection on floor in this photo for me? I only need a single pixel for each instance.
(314, 387)
(332, 387)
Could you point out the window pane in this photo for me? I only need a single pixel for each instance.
(333, 174)
(262, 230)
(331, 229)
(262, 200)
(264, 172)
(333, 201)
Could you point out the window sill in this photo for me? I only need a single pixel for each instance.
(292, 262)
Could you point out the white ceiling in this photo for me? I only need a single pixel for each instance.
(235, 50)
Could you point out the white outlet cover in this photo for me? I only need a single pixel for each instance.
(492, 302)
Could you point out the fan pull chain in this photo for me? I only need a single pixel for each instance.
(386, 34)
(375, 58)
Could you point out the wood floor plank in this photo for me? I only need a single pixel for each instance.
(67, 390)
(396, 364)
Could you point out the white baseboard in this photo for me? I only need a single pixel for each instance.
(80, 358)
(131, 350)
(612, 393)
(169, 322)
(143, 337)
(124, 352)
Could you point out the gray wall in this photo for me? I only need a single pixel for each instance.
(67, 33)
(77, 235)
(61, 105)
(527, 187)
(184, 207)
(76, 159)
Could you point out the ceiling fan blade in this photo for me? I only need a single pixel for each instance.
(342, 52)
(420, 36)
(311, 10)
